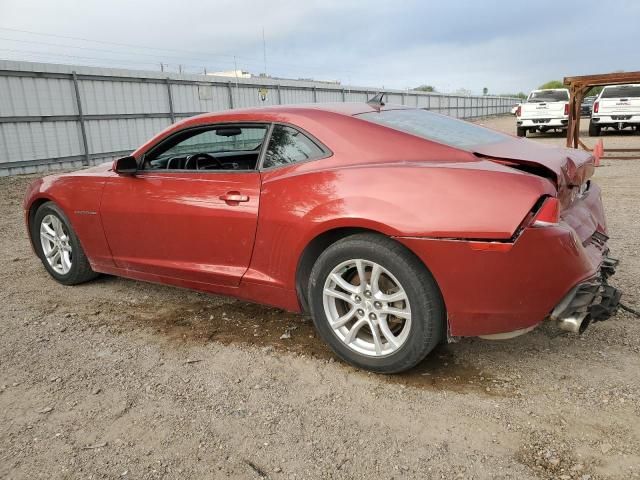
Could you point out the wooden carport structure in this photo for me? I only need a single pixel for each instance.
(578, 88)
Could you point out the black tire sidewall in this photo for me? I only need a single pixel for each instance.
(51, 208)
(422, 292)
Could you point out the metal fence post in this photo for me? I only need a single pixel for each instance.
(172, 114)
(83, 131)
(230, 94)
(279, 95)
(344, 95)
(315, 95)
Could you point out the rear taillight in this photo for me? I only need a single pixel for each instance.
(548, 215)
(566, 109)
(596, 107)
(519, 111)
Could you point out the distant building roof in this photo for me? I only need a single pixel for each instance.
(232, 73)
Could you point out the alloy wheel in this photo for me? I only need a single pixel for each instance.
(56, 245)
(367, 308)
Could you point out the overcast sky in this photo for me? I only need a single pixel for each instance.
(506, 46)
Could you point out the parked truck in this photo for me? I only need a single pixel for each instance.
(544, 110)
(617, 107)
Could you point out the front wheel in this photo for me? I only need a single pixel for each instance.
(375, 303)
(58, 246)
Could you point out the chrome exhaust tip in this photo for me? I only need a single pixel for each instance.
(574, 324)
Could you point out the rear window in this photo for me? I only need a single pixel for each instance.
(622, 91)
(438, 128)
(549, 96)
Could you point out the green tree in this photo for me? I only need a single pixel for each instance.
(425, 88)
(552, 84)
(594, 91)
(485, 91)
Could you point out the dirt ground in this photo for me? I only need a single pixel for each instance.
(122, 379)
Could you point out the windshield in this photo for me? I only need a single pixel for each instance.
(589, 100)
(549, 96)
(622, 91)
(438, 128)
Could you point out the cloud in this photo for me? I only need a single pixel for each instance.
(505, 46)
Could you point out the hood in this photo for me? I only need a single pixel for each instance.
(100, 168)
(566, 167)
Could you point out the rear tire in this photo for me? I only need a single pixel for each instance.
(594, 130)
(521, 132)
(402, 285)
(64, 257)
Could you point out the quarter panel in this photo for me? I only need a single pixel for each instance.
(403, 200)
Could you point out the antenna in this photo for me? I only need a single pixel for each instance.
(264, 51)
(377, 101)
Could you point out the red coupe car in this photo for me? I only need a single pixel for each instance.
(396, 228)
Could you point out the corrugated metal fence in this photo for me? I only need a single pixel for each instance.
(60, 116)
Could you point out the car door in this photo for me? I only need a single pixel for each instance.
(193, 220)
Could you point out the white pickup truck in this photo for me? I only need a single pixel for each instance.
(617, 107)
(544, 110)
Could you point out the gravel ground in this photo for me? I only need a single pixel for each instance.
(121, 379)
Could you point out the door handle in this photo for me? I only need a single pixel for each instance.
(233, 198)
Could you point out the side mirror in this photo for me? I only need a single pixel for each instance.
(125, 166)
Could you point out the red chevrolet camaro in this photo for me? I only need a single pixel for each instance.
(396, 228)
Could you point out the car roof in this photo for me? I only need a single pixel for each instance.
(305, 110)
(301, 115)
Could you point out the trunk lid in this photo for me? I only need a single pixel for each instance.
(543, 110)
(567, 168)
(613, 106)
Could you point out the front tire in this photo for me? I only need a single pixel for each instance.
(58, 246)
(387, 323)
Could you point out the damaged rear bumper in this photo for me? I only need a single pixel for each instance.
(592, 300)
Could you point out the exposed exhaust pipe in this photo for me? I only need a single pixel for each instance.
(590, 301)
(575, 324)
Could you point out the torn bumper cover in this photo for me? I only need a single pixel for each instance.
(593, 300)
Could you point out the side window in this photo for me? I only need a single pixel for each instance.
(288, 145)
(225, 147)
